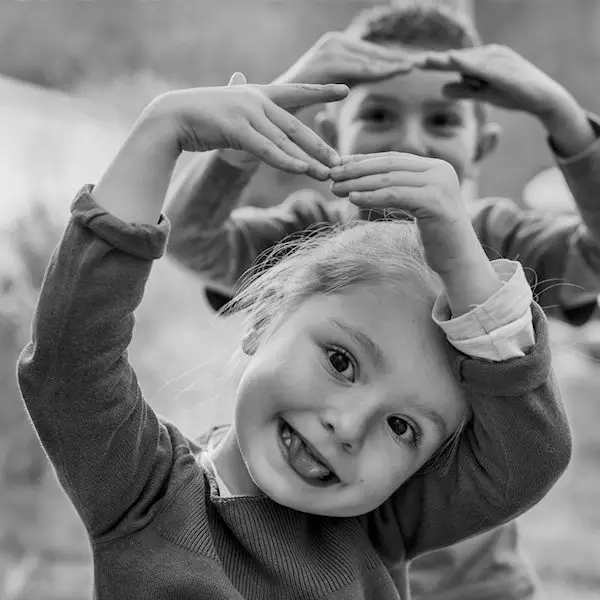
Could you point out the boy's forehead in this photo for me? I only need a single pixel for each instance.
(416, 87)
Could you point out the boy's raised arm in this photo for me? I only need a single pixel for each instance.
(561, 253)
(220, 242)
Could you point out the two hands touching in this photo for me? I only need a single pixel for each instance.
(257, 122)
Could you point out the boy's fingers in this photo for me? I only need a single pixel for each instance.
(371, 70)
(303, 136)
(263, 148)
(297, 95)
(379, 51)
(438, 61)
(472, 89)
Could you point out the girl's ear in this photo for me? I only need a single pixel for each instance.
(489, 137)
(325, 126)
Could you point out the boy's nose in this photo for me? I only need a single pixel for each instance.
(409, 139)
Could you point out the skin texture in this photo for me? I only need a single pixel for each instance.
(367, 421)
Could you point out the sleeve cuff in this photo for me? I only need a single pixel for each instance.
(144, 241)
(516, 376)
(500, 328)
(507, 305)
(593, 148)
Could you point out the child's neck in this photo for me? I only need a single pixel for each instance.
(231, 467)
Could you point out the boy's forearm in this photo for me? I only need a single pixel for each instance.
(205, 194)
(568, 126)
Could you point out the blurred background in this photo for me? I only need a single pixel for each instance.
(73, 76)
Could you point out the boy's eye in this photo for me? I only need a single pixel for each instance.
(445, 120)
(404, 429)
(377, 115)
(341, 362)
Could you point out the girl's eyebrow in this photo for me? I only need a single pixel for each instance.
(434, 418)
(369, 347)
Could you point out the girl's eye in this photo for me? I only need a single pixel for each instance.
(340, 360)
(404, 429)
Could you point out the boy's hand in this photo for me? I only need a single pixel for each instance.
(339, 58)
(500, 76)
(252, 118)
(430, 191)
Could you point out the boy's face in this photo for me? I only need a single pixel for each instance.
(360, 382)
(409, 113)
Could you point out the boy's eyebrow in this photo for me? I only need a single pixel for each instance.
(371, 349)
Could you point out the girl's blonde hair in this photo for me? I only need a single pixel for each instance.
(330, 260)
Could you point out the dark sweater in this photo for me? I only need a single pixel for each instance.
(157, 527)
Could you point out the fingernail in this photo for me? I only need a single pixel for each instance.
(322, 172)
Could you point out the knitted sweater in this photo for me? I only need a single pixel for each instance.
(158, 528)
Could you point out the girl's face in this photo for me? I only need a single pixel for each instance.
(347, 398)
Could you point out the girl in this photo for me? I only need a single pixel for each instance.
(351, 399)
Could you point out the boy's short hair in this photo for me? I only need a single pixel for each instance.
(423, 24)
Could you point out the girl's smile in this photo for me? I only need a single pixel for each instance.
(304, 459)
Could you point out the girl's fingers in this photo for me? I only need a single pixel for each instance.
(386, 163)
(278, 137)
(255, 143)
(237, 79)
(298, 95)
(371, 183)
(400, 197)
(302, 135)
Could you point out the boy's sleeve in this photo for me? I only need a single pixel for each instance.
(561, 253)
(112, 455)
(220, 242)
(513, 450)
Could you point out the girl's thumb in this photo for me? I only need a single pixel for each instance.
(237, 79)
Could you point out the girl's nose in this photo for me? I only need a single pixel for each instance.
(349, 425)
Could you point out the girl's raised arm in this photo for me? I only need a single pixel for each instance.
(110, 452)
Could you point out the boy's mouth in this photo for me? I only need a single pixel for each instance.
(304, 458)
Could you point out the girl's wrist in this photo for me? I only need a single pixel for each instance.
(470, 279)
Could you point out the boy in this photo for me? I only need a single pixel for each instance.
(429, 111)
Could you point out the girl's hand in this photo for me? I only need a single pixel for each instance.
(252, 118)
(430, 191)
(500, 76)
(339, 58)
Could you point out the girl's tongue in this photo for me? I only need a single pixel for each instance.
(300, 458)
